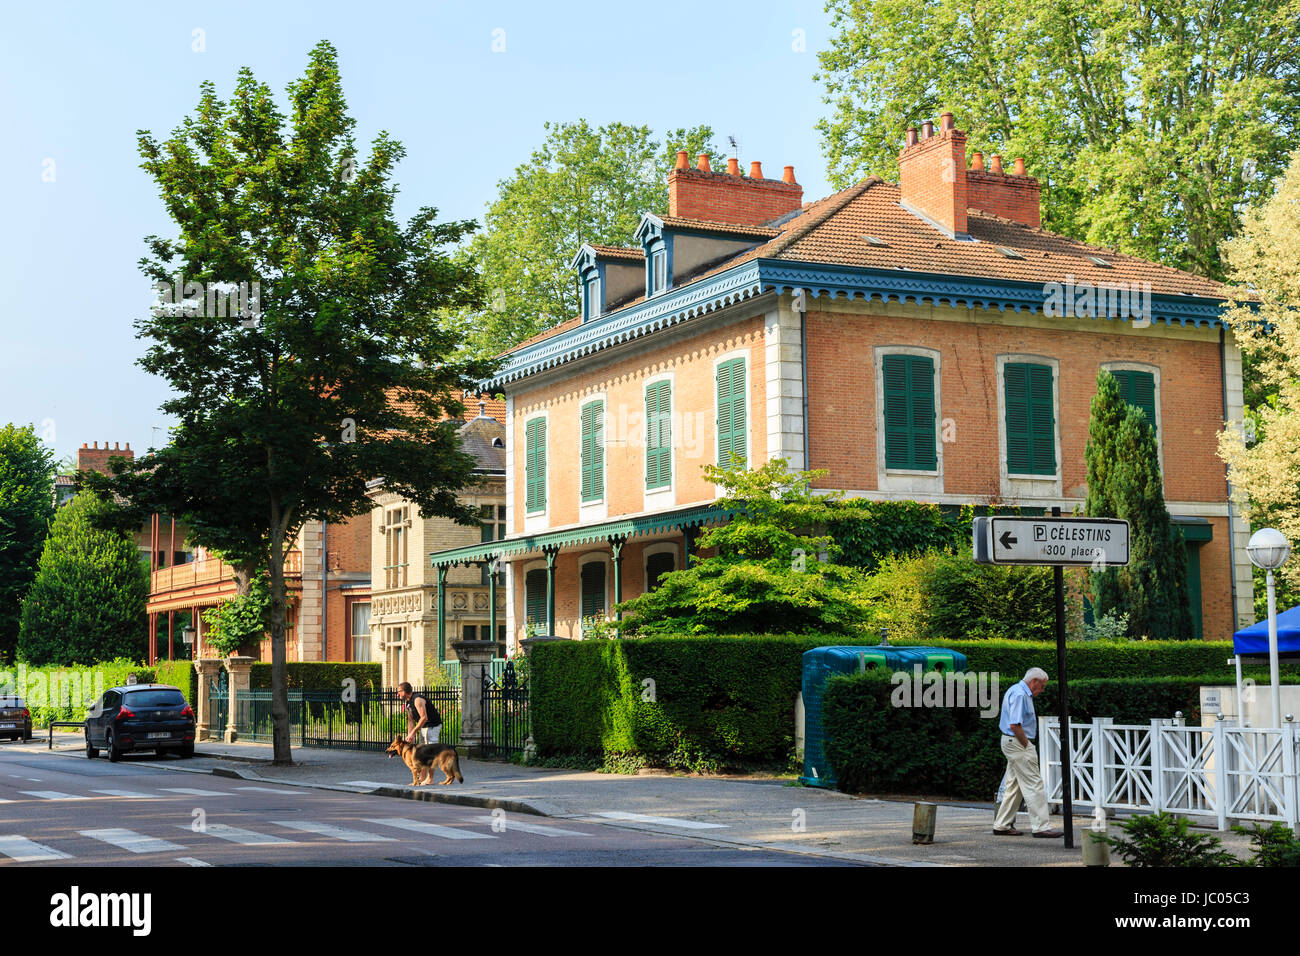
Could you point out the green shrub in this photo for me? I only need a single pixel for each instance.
(1165, 840)
(320, 675)
(869, 532)
(1274, 845)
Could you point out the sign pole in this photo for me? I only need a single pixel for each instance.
(1067, 782)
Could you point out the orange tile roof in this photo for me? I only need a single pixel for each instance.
(617, 252)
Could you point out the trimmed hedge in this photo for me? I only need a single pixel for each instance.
(876, 747)
(728, 702)
(320, 675)
(65, 693)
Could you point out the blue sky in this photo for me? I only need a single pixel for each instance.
(77, 80)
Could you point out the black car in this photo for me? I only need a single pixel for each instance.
(140, 717)
(15, 718)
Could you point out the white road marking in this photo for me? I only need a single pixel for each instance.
(132, 794)
(432, 829)
(513, 824)
(236, 834)
(22, 850)
(130, 840)
(52, 795)
(337, 833)
(194, 791)
(662, 821)
(265, 789)
(191, 861)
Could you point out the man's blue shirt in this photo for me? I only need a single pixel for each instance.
(1018, 708)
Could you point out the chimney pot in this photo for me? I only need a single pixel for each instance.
(995, 163)
(703, 164)
(84, 445)
(945, 122)
(927, 129)
(788, 176)
(977, 161)
(682, 159)
(755, 170)
(911, 136)
(1019, 168)
(733, 166)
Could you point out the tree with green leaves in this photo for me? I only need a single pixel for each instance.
(26, 507)
(341, 373)
(1150, 125)
(773, 569)
(584, 184)
(1123, 469)
(87, 602)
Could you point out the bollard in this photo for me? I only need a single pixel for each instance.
(1095, 852)
(923, 823)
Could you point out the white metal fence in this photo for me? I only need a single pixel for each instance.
(1223, 772)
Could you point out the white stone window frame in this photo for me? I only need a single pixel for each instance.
(538, 520)
(908, 479)
(593, 510)
(666, 497)
(1127, 366)
(660, 547)
(1019, 485)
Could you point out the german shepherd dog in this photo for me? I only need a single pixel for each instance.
(425, 758)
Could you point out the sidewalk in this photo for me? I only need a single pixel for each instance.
(757, 812)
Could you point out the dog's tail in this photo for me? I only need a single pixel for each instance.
(455, 765)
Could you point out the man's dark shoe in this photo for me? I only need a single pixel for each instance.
(1049, 834)
(1011, 831)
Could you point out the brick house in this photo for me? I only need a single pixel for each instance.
(406, 629)
(922, 340)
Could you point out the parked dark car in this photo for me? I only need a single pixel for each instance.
(15, 718)
(140, 717)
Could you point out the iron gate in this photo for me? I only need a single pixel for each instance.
(219, 705)
(505, 713)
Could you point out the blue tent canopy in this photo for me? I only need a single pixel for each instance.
(1254, 639)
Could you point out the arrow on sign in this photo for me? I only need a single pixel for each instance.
(1007, 540)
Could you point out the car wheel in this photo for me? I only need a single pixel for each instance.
(186, 751)
(91, 750)
(114, 755)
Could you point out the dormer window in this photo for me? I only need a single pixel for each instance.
(591, 306)
(658, 271)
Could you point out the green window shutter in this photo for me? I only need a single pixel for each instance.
(909, 412)
(593, 451)
(593, 589)
(657, 565)
(1138, 388)
(535, 596)
(1031, 419)
(659, 437)
(535, 481)
(731, 413)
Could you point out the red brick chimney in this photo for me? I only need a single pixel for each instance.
(729, 197)
(935, 184)
(94, 458)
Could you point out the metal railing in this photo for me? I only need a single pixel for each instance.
(325, 719)
(1223, 772)
(505, 713)
(80, 724)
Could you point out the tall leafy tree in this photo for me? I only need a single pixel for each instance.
(1123, 469)
(584, 184)
(87, 603)
(1264, 452)
(26, 507)
(1150, 124)
(343, 376)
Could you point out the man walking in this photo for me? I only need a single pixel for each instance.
(421, 716)
(1019, 727)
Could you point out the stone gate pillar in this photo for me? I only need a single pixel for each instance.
(475, 660)
(240, 671)
(208, 668)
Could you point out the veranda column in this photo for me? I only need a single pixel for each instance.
(550, 590)
(442, 613)
(492, 599)
(475, 660)
(240, 671)
(208, 668)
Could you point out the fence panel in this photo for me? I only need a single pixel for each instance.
(325, 719)
(505, 711)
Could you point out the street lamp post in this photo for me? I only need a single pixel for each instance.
(1269, 549)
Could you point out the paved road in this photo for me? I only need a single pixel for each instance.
(62, 810)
